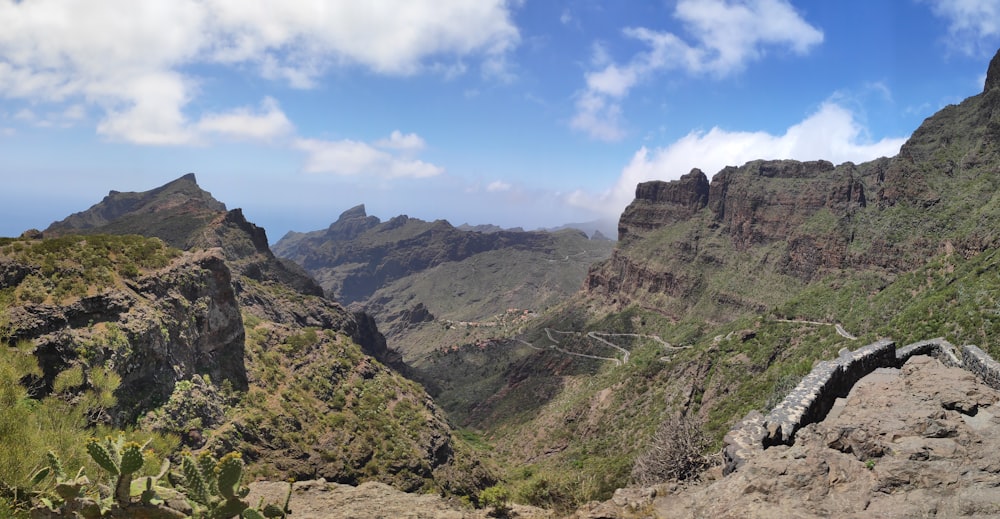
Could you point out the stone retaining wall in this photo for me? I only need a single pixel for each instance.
(938, 348)
(980, 363)
(815, 395)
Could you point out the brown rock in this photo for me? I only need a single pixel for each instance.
(899, 448)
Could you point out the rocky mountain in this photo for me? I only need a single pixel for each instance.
(722, 293)
(185, 216)
(684, 243)
(416, 277)
(220, 342)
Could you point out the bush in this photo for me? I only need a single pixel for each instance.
(498, 498)
(677, 453)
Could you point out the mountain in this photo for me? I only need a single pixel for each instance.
(185, 216)
(725, 291)
(415, 277)
(221, 343)
(689, 246)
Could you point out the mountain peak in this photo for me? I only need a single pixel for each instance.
(357, 211)
(993, 74)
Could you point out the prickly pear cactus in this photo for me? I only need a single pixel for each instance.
(229, 472)
(103, 454)
(131, 460)
(194, 481)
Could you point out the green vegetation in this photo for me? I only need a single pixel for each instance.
(78, 266)
(56, 428)
(594, 419)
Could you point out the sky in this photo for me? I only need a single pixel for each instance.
(529, 113)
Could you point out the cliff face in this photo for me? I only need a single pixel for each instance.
(165, 326)
(785, 224)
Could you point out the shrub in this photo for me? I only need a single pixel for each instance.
(498, 498)
(677, 453)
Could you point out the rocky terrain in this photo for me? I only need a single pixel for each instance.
(318, 499)
(223, 344)
(720, 296)
(747, 279)
(920, 441)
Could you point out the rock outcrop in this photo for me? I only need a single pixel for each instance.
(162, 327)
(664, 203)
(912, 442)
(683, 242)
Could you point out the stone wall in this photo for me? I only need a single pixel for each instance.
(980, 363)
(815, 395)
(938, 348)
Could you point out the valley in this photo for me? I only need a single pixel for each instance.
(490, 366)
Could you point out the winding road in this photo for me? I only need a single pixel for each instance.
(836, 326)
(601, 338)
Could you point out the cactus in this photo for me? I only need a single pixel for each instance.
(55, 465)
(252, 513)
(102, 455)
(214, 485)
(120, 459)
(131, 458)
(229, 471)
(69, 492)
(194, 481)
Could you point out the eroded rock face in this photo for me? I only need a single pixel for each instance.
(163, 327)
(800, 221)
(919, 441)
(660, 203)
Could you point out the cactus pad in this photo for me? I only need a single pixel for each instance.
(99, 451)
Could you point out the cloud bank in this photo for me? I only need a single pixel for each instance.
(134, 61)
(387, 159)
(832, 133)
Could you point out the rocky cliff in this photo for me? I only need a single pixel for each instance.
(912, 442)
(792, 223)
(164, 325)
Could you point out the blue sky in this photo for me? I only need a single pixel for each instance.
(518, 113)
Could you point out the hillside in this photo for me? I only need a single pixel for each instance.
(220, 343)
(726, 291)
(428, 283)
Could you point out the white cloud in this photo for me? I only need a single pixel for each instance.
(353, 158)
(132, 59)
(973, 25)
(244, 124)
(726, 34)
(497, 186)
(398, 141)
(832, 133)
